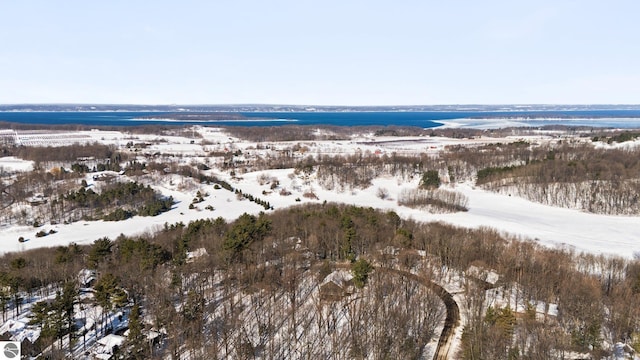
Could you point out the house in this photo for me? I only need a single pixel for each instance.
(336, 285)
(86, 278)
(153, 337)
(37, 199)
(490, 277)
(108, 346)
(104, 177)
(195, 254)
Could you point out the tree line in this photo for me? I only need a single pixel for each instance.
(582, 177)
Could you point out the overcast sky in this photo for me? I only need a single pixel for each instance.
(320, 52)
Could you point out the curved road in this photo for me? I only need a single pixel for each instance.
(452, 319)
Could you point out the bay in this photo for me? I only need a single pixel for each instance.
(424, 119)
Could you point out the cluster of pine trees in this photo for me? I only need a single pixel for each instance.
(122, 199)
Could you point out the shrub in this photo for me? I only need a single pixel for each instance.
(382, 193)
(442, 200)
(310, 195)
(430, 180)
(360, 270)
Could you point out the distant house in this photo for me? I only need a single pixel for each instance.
(108, 346)
(104, 177)
(153, 337)
(37, 199)
(479, 273)
(197, 253)
(336, 286)
(86, 278)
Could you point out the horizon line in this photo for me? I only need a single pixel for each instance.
(311, 105)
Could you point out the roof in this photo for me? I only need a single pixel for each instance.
(191, 255)
(85, 276)
(338, 277)
(489, 276)
(109, 341)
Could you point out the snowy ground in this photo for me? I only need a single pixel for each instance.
(12, 164)
(548, 225)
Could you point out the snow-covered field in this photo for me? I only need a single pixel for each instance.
(599, 234)
(11, 163)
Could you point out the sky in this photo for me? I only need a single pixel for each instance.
(344, 52)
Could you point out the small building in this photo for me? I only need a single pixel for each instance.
(153, 337)
(107, 177)
(195, 254)
(490, 276)
(108, 346)
(86, 278)
(336, 286)
(37, 199)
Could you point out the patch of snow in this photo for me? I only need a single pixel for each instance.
(14, 164)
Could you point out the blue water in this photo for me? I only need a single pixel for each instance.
(428, 119)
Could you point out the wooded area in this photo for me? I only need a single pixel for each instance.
(259, 278)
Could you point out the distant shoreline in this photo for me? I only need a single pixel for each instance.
(418, 119)
(283, 108)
